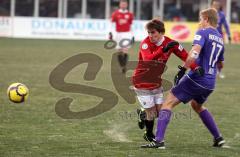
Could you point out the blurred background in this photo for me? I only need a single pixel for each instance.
(89, 19)
(183, 10)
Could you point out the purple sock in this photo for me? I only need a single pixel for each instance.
(209, 122)
(163, 120)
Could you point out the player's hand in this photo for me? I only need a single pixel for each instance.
(229, 39)
(199, 70)
(169, 46)
(110, 36)
(180, 74)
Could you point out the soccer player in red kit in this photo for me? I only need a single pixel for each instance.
(123, 21)
(154, 53)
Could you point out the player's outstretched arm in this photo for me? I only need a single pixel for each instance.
(193, 55)
(189, 63)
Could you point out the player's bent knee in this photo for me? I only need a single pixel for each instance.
(167, 105)
(170, 102)
(197, 107)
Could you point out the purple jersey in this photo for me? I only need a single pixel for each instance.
(222, 22)
(212, 52)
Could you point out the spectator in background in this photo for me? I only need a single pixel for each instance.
(48, 8)
(235, 13)
(4, 8)
(221, 19)
(174, 13)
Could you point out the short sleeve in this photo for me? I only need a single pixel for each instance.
(199, 38)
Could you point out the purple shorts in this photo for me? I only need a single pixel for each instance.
(187, 90)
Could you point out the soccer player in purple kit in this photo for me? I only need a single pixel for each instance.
(221, 22)
(207, 52)
(221, 19)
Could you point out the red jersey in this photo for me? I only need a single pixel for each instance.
(152, 63)
(123, 20)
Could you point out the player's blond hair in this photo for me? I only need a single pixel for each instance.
(211, 15)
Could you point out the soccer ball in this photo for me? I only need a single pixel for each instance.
(17, 92)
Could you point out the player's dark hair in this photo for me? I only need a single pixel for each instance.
(156, 24)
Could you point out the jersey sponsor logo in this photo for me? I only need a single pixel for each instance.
(144, 46)
(197, 37)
